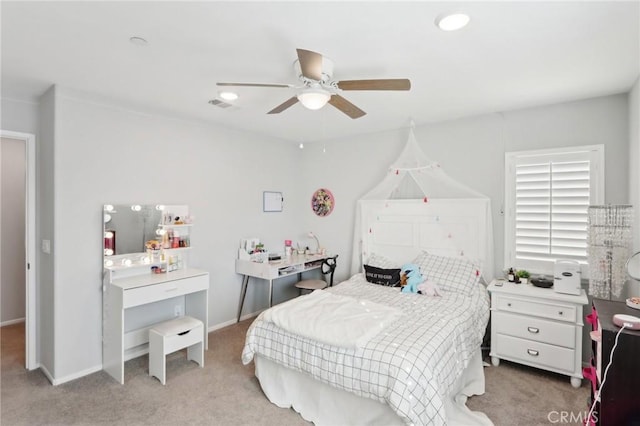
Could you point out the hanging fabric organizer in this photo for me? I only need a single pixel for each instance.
(417, 206)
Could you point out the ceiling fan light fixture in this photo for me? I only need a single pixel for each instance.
(314, 99)
(452, 21)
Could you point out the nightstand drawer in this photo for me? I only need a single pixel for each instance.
(533, 328)
(537, 308)
(539, 354)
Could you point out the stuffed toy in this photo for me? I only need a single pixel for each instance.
(413, 277)
(428, 288)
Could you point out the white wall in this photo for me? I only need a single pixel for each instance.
(47, 304)
(19, 116)
(13, 170)
(633, 289)
(470, 150)
(106, 153)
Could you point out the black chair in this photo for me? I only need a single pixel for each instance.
(328, 267)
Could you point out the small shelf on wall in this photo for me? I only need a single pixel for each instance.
(176, 249)
(178, 225)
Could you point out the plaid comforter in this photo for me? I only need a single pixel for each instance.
(411, 365)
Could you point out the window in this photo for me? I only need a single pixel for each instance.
(547, 195)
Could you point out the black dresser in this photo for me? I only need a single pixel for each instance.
(620, 396)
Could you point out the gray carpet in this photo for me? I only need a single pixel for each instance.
(226, 393)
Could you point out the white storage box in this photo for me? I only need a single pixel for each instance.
(170, 336)
(566, 277)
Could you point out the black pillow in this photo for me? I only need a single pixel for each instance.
(388, 277)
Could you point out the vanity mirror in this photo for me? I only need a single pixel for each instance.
(633, 266)
(132, 232)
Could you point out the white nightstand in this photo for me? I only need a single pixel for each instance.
(537, 327)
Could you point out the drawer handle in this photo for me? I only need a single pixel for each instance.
(509, 304)
(533, 330)
(532, 352)
(171, 289)
(560, 312)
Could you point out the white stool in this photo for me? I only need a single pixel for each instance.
(170, 336)
(311, 285)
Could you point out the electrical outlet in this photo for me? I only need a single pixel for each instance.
(177, 310)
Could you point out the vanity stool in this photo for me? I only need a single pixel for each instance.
(173, 335)
(328, 267)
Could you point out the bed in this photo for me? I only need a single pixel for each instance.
(424, 360)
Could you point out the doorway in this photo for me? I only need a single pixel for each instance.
(21, 146)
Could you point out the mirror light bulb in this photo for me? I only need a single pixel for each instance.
(136, 207)
(452, 22)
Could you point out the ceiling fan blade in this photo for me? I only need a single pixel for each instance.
(345, 106)
(310, 64)
(380, 84)
(254, 84)
(286, 104)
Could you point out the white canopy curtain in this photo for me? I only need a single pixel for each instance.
(413, 176)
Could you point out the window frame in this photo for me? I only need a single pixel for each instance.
(596, 154)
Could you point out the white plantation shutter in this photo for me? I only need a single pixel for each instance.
(547, 197)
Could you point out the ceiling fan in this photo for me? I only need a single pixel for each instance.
(317, 87)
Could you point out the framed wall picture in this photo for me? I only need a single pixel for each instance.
(272, 201)
(322, 202)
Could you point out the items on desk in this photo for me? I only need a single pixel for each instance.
(252, 249)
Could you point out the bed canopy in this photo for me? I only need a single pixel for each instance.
(417, 206)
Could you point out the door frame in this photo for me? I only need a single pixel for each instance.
(31, 312)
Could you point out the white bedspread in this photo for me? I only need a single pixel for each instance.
(322, 316)
(411, 365)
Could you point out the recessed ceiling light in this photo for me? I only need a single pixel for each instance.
(229, 96)
(138, 41)
(452, 21)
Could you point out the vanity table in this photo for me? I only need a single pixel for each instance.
(123, 295)
(271, 271)
(142, 288)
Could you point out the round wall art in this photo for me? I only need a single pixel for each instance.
(322, 202)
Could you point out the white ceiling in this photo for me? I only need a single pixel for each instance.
(511, 55)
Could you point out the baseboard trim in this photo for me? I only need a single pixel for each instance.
(70, 377)
(47, 374)
(233, 321)
(11, 322)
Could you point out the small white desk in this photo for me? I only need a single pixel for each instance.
(271, 271)
(124, 289)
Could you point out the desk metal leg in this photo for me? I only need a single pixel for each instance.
(245, 282)
(270, 293)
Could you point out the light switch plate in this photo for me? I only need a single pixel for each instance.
(46, 246)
